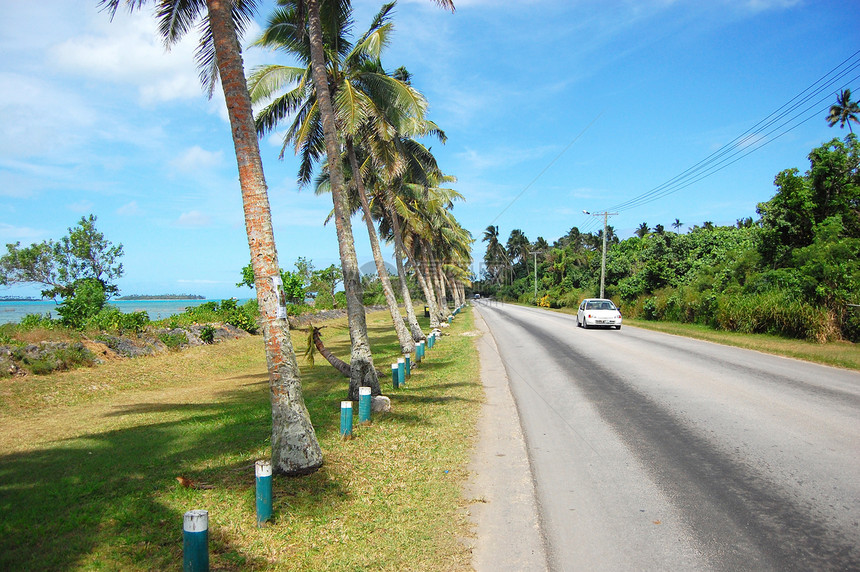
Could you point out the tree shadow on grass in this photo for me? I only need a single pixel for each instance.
(111, 499)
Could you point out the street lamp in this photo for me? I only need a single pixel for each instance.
(605, 216)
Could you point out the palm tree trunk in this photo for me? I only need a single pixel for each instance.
(407, 346)
(439, 280)
(430, 274)
(335, 361)
(295, 449)
(419, 264)
(412, 319)
(363, 373)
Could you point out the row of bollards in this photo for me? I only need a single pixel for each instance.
(195, 526)
(195, 523)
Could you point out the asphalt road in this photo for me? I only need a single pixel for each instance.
(656, 452)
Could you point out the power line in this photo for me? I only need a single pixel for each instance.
(545, 169)
(756, 136)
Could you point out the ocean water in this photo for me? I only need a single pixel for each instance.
(157, 309)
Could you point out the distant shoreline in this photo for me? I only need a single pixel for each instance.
(18, 299)
(139, 297)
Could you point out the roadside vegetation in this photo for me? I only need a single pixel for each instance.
(794, 272)
(95, 486)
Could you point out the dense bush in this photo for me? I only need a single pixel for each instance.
(110, 319)
(227, 311)
(794, 272)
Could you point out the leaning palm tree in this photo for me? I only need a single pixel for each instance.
(311, 101)
(295, 449)
(396, 190)
(362, 362)
(844, 111)
(368, 103)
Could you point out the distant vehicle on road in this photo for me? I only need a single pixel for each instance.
(477, 296)
(598, 312)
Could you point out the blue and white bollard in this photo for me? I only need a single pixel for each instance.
(450, 319)
(263, 472)
(419, 351)
(401, 371)
(408, 359)
(364, 405)
(346, 420)
(395, 376)
(195, 541)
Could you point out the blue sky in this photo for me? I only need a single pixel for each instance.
(550, 107)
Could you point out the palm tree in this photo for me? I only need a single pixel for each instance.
(495, 256)
(311, 101)
(295, 449)
(396, 192)
(366, 98)
(844, 111)
(363, 371)
(518, 246)
(361, 363)
(677, 225)
(642, 230)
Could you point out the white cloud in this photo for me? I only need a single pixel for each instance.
(130, 209)
(12, 233)
(196, 159)
(193, 219)
(198, 281)
(502, 156)
(81, 207)
(129, 50)
(40, 116)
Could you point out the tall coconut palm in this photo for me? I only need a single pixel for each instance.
(844, 111)
(396, 191)
(298, 28)
(363, 372)
(368, 103)
(295, 449)
(420, 234)
(495, 257)
(677, 225)
(642, 230)
(518, 246)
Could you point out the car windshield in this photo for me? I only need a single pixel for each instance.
(600, 305)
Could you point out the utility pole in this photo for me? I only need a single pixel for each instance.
(605, 216)
(535, 253)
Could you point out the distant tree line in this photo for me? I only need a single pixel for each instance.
(795, 271)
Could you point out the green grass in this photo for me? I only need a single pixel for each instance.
(837, 354)
(89, 460)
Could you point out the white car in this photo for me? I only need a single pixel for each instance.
(598, 312)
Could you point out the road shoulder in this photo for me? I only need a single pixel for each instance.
(503, 507)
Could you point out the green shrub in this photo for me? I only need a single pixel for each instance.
(774, 312)
(87, 301)
(649, 309)
(340, 299)
(207, 334)
(33, 321)
(173, 340)
(61, 359)
(111, 319)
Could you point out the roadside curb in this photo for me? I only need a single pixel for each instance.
(501, 492)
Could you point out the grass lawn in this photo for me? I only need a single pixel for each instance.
(89, 460)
